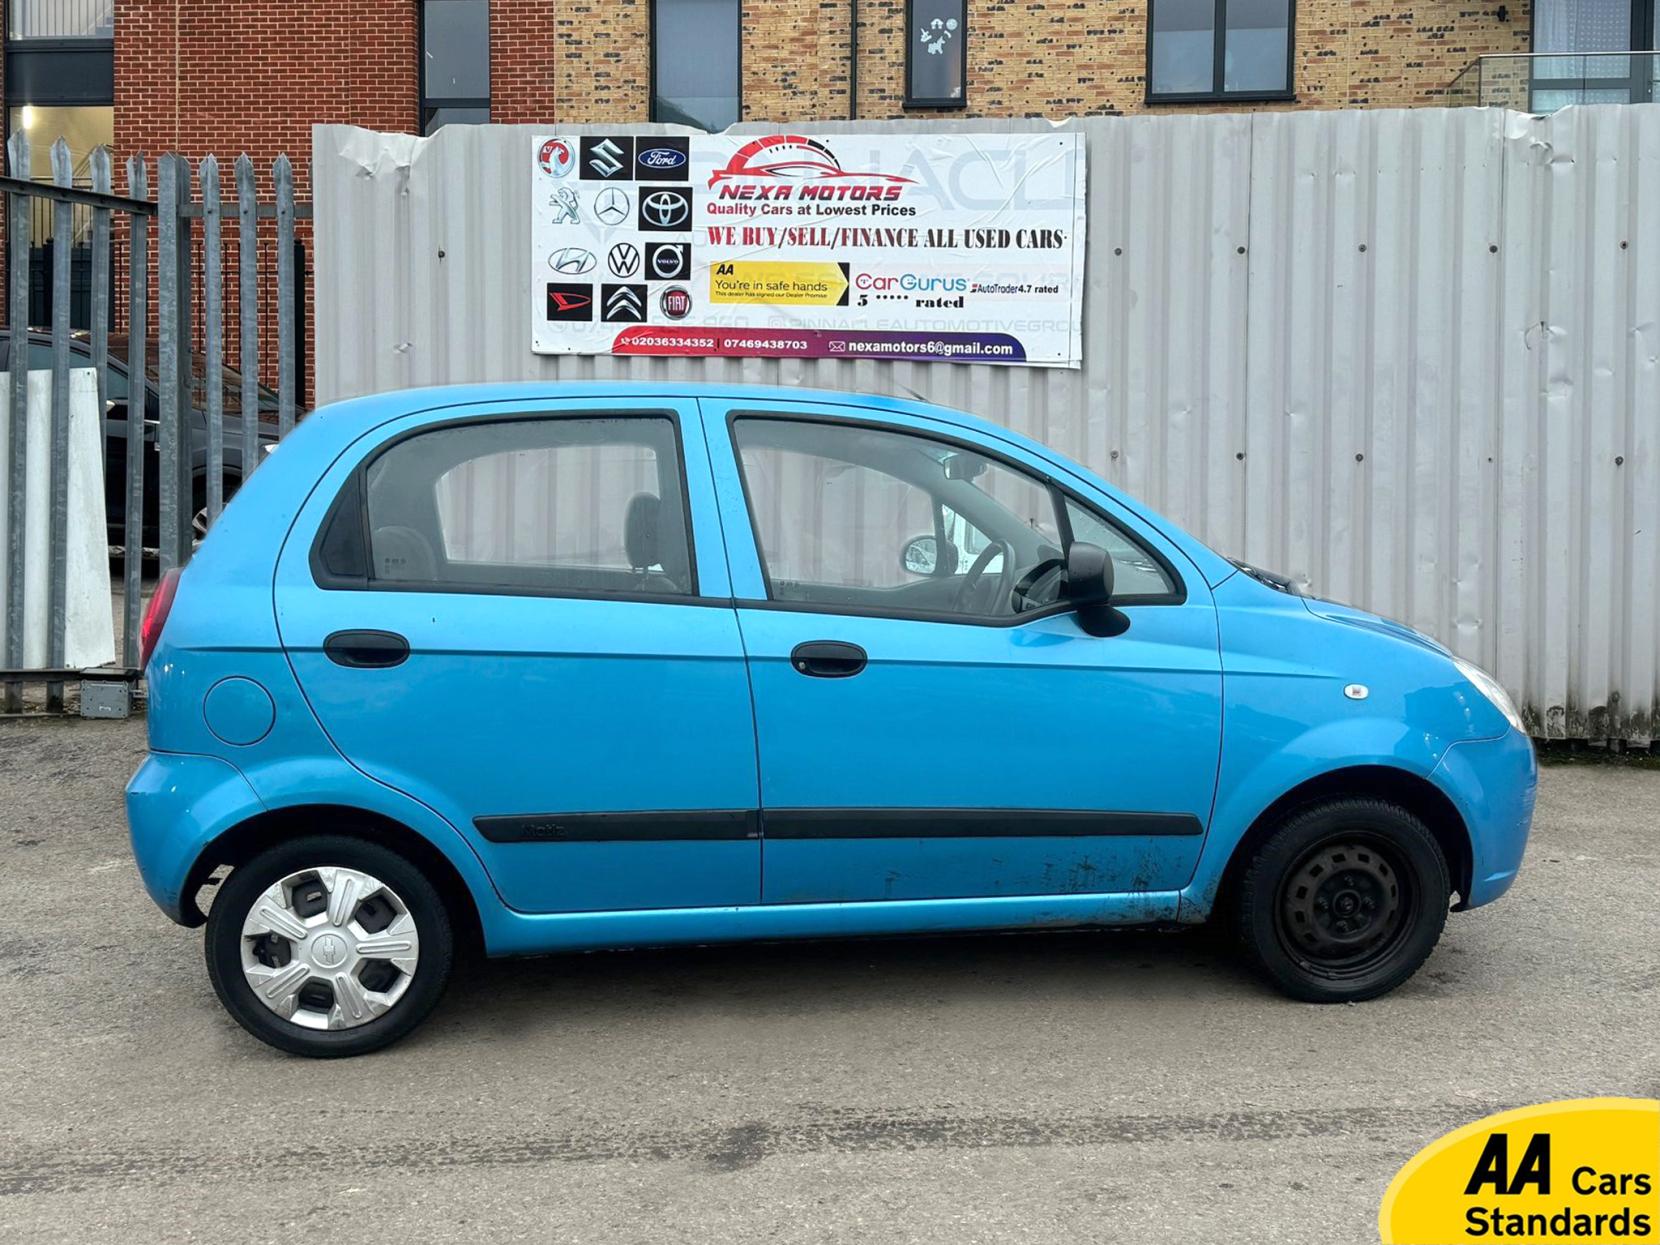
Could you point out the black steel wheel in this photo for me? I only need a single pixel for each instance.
(1344, 901)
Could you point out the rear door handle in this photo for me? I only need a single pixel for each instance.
(828, 659)
(368, 650)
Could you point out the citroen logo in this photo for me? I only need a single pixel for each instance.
(624, 303)
(611, 208)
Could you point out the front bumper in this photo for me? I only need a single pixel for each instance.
(1493, 782)
(178, 803)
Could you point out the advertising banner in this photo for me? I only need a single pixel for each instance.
(966, 248)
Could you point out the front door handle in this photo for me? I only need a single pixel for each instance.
(828, 659)
(367, 650)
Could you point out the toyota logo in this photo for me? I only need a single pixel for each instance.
(624, 259)
(665, 209)
(573, 261)
(611, 208)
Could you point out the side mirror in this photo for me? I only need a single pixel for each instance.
(1089, 588)
(921, 555)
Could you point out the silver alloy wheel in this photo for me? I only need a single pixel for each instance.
(329, 948)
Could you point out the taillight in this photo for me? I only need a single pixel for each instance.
(155, 616)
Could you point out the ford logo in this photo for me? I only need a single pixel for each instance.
(662, 158)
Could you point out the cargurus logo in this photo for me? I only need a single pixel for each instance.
(910, 283)
(662, 158)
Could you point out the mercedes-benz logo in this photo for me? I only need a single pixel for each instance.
(665, 209)
(611, 208)
(624, 259)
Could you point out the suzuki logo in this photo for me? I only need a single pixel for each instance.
(624, 259)
(611, 208)
(605, 160)
(665, 209)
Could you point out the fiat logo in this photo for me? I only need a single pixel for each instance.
(676, 302)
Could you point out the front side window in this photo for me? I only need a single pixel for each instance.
(565, 506)
(868, 519)
(61, 19)
(1219, 49)
(695, 78)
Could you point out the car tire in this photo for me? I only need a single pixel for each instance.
(1343, 901)
(343, 998)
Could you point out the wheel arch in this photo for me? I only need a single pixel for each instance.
(243, 841)
(1412, 792)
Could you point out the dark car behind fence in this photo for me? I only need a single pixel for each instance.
(152, 262)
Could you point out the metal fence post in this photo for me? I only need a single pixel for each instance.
(18, 238)
(63, 225)
(247, 315)
(173, 360)
(213, 339)
(282, 173)
(138, 328)
(100, 296)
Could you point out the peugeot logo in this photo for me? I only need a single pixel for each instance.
(573, 261)
(665, 209)
(611, 208)
(564, 207)
(604, 160)
(624, 259)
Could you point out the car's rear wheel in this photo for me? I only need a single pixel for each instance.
(328, 946)
(1344, 901)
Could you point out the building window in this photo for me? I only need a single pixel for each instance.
(936, 56)
(455, 63)
(1210, 50)
(61, 19)
(1595, 39)
(696, 69)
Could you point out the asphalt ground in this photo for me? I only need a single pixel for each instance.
(1136, 1087)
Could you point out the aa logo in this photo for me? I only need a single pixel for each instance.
(1585, 1171)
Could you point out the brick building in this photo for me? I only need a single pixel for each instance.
(226, 76)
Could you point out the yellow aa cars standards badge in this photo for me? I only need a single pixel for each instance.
(1586, 1171)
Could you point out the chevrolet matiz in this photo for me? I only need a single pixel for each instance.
(548, 668)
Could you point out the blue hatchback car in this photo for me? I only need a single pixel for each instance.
(551, 668)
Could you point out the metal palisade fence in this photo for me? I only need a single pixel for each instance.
(125, 427)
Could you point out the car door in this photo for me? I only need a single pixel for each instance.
(932, 720)
(523, 619)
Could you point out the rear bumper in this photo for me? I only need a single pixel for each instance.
(177, 803)
(1493, 782)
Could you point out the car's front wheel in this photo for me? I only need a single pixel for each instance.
(328, 946)
(1344, 901)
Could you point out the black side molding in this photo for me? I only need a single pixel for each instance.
(970, 823)
(701, 824)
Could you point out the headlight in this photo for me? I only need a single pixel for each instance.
(1489, 687)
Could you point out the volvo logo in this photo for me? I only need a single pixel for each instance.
(669, 261)
(611, 208)
(624, 259)
(665, 209)
(573, 261)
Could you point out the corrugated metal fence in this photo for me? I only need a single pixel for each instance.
(1411, 358)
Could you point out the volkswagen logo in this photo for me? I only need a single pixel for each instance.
(665, 209)
(573, 261)
(624, 259)
(611, 207)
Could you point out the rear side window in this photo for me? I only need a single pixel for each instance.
(592, 506)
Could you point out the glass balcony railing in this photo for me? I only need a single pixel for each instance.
(1545, 81)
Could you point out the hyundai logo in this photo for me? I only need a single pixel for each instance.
(665, 209)
(573, 261)
(662, 158)
(611, 208)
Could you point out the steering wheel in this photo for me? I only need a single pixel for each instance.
(1021, 593)
(971, 580)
